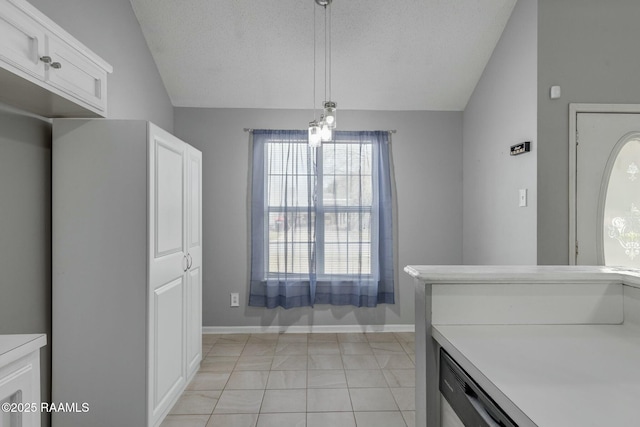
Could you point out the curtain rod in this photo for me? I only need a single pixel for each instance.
(390, 131)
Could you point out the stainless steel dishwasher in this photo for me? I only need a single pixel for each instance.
(463, 402)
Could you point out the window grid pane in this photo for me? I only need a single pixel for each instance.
(290, 178)
(347, 243)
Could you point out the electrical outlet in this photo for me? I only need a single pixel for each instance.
(235, 299)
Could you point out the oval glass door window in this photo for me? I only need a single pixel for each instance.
(621, 214)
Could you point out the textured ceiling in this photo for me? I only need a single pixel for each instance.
(386, 55)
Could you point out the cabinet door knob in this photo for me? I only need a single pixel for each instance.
(45, 59)
(189, 261)
(56, 65)
(185, 263)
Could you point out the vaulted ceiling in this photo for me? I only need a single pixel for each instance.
(386, 55)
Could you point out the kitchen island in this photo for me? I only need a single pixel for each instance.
(552, 346)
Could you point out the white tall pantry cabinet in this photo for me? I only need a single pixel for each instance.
(127, 270)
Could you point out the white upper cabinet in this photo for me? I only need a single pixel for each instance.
(76, 75)
(44, 70)
(22, 41)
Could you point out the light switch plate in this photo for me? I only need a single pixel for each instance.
(522, 201)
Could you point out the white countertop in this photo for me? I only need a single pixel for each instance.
(463, 274)
(558, 375)
(13, 347)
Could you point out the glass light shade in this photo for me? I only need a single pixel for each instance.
(315, 139)
(330, 114)
(326, 134)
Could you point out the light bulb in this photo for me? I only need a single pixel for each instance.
(325, 132)
(330, 113)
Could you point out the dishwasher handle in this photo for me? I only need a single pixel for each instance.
(467, 399)
(481, 409)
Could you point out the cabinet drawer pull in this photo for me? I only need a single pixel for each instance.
(56, 65)
(46, 59)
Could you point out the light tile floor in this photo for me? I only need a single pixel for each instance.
(301, 380)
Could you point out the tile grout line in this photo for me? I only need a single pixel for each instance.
(405, 345)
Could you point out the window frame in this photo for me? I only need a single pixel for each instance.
(320, 211)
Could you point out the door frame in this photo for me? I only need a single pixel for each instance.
(574, 110)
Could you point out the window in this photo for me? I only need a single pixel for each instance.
(621, 213)
(316, 220)
(338, 189)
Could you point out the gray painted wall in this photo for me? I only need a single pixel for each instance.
(589, 48)
(25, 230)
(502, 112)
(110, 29)
(427, 155)
(135, 91)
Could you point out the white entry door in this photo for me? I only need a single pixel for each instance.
(607, 194)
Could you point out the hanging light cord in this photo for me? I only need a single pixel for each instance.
(314, 62)
(329, 52)
(325, 53)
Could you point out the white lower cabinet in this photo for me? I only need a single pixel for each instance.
(127, 270)
(20, 380)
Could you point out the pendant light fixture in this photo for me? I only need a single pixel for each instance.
(315, 138)
(322, 131)
(326, 133)
(330, 112)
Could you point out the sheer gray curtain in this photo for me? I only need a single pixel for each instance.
(321, 220)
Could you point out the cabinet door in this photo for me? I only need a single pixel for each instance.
(76, 74)
(194, 251)
(20, 384)
(21, 40)
(168, 345)
(167, 269)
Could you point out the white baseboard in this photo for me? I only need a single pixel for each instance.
(310, 329)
